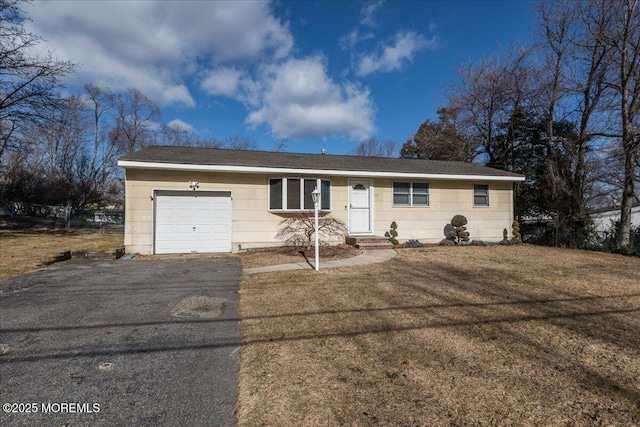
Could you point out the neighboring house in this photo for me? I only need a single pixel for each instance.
(110, 216)
(604, 218)
(181, 200)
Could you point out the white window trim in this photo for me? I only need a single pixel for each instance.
(488, 205)
(410, 205)
(284, 193)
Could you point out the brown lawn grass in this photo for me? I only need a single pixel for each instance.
(445, 336)
(27, 249)
(287, 255)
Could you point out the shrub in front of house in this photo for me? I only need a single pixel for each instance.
(413, 243)
(515, 232)
(299, 230)
(393, 233)
(447, 242)
(459, 233)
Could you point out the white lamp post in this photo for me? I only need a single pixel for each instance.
(315, 195)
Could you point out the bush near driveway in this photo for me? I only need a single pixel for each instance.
(519, 336)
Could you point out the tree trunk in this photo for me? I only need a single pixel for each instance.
(629, 93)
(628, 190)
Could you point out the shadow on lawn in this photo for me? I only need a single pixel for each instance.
(587, 375)
(457, 286)
(611, 318)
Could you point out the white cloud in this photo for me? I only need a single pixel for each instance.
(234, 84)
(239, 50)
(157, 46)
(301, 101)
(352, 38)
(367, 19)
(368, 11)
(179, 124)
(222, 81)
(395, 55)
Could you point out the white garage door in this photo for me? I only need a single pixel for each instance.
(187, 222)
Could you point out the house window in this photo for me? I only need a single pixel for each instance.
(275, 193)
(309, 186)
(294, 194)
(410, 194)
(480, 195)
(325, 195)
(420, 194)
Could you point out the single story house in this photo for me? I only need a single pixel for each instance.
(184, 199)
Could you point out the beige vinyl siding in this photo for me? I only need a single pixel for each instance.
(446, 199)
(252, 223)
(254, 226)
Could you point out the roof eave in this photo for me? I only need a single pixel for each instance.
(276, 170)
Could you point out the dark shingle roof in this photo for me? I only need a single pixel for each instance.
(271, 159)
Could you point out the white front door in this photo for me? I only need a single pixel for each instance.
(360, 206)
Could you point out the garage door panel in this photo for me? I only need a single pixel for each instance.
(181, 213)
(221, 214)
(187, 222)
(182, 228)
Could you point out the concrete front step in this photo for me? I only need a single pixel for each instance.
(365, 239)
(373, 246)
(369, 242)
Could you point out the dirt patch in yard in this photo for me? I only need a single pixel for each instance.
(28, 248)
(287, 255)
(444, 336)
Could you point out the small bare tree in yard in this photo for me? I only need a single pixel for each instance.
(298, 229)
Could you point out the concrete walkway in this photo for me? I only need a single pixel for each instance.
(366, 257)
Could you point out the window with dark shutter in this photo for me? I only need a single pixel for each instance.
(275, 194)
(294, 194)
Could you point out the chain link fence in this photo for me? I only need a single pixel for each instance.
(102, 219)
(548, 233)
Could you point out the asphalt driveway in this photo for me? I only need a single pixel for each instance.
(142, 342)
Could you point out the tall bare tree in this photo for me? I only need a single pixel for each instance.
(176, 135)
(100, 106)
(623, 39)
(137, 122)
(27, 80)
(480, 100)
(572, 86)
(240, 142)
(374, 148)
(441, 140)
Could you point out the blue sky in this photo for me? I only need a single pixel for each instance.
(316, 74)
